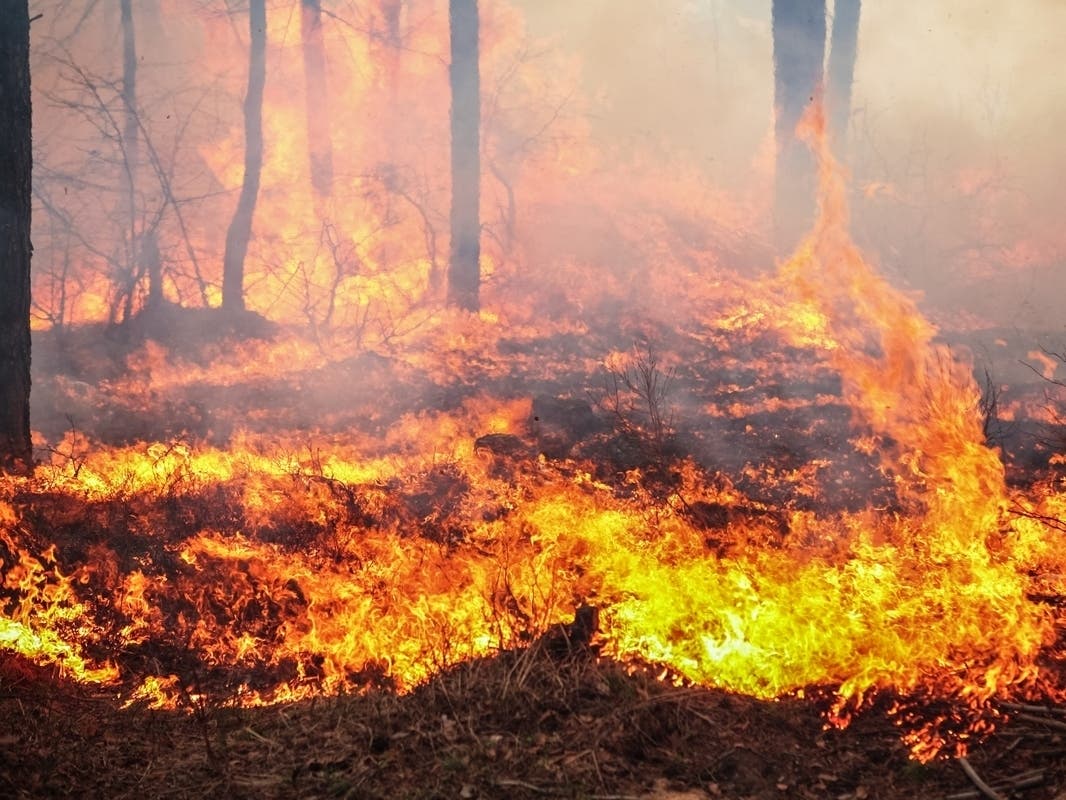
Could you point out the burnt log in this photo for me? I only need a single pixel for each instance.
(502, 445)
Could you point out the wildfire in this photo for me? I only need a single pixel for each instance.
(293, 552)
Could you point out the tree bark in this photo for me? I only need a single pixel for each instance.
(16, 168)
(842, 51)
(799, 53)
(464, 271)
(319, 141)
(240, 228)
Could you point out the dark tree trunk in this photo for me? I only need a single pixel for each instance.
(16, 168)
(464, 272)
(240, 228)
(843, 47)
(319, 141)
(799, 53)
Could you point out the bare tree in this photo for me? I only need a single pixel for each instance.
(240, 229)
(464, 271)
(73, 195)
(799, 53)
(319, 141)
(16, 167)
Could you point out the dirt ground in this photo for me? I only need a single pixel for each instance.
(527, 724)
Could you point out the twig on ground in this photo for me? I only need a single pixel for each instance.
(1023, 780)
(1051, 723)
(515, 784)
(975, 779)
(1060, 712)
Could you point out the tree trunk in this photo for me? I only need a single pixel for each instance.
(130, 137)
(392, 10)
(16, 168)
(799, 53)
(843, 47)
(464, 273)
(152, 260)
(240, 228)
(143, 254)
(319, 141)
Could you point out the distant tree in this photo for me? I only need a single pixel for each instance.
(144, 244)
(799, 53)
(842, 51)
(240, 228)
(16, 167)
(319, 141)
(464, 272)
(130, 133)
(392, 10)
(393, 36)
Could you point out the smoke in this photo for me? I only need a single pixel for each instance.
(954, 146)
(619, 138)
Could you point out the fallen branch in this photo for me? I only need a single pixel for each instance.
(975, 779)
(1023, 780)
(1051, 723)
(506, 783)
(1061, 712)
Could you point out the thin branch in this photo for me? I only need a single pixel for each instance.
(1051, 723)
(975, 779)
(1052, 522)
(507, 783)
(1034, 709)
(1024, 780)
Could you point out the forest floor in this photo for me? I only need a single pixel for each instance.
(524, 724)
(527, 723)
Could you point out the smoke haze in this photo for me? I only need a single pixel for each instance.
(954, 141)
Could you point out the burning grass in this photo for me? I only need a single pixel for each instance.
(269, 567)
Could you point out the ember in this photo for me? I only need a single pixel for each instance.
(622, 435)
